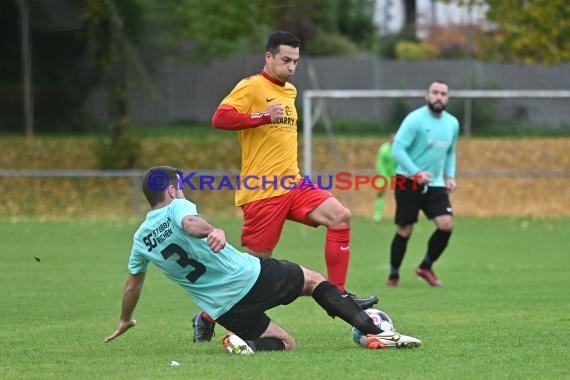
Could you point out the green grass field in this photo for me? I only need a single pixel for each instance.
(503, 313)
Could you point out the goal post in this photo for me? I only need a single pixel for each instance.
(309, 118)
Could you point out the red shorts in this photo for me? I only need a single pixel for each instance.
(264, 219)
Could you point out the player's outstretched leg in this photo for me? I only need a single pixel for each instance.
(337, 305)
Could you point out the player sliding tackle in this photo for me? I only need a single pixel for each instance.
(195, 255)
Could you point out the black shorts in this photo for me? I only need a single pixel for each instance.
(433, 201)
(280, 282)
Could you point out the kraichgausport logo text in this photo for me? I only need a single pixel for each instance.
(339, 181)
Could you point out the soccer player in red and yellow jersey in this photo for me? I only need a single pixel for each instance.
(261, 108)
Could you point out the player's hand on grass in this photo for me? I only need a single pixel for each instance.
(121, 328)
(217, 239)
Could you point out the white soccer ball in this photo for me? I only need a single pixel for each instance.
(380, 318)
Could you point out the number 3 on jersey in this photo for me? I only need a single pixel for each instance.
(184, 261)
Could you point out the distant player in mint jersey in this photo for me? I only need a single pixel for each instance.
(386, 167)
(233, 287)
(424, 147)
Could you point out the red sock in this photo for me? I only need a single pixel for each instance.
(207, 317)
(337, 255)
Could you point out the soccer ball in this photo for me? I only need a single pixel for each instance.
(380, 318)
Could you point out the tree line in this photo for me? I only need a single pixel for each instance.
(116, 39)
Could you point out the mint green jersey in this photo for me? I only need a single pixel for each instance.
(426, 143)
(215, 281)
(385, 164)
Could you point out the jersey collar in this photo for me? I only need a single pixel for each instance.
(269, 78)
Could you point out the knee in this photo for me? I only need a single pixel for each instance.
(342, 217)
(445, 224)
(405, 231)
(312, 279)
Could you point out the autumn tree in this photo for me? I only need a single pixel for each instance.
(528, 31)
(112, 29)
(221, 28)
(535, 31)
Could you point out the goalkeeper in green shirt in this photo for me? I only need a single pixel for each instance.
(386, 167)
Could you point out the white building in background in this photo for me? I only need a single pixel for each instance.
(389, 15)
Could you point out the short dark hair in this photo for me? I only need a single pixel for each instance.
(279, 38)
(156, 181)
(437, 81)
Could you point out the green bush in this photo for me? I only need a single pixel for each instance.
(415, 51)
(332, 44)
(387, 44)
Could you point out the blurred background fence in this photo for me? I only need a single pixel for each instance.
(496, 177)
(190, 91)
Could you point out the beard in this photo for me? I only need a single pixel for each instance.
(436, 107)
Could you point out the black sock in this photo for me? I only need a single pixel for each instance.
(336, 305)
(266, 344)
(365, 324)
(397, 252)
(436, 244)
